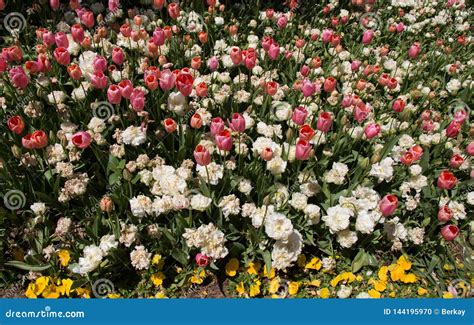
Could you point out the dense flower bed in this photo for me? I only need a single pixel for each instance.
(323, 150)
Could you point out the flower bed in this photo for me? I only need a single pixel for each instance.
(162, 149)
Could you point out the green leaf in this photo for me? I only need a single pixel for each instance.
(27, 267)
(267, 257)
(360, 260)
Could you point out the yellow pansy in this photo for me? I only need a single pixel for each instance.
(422, 291)
(314, 264)
(157, 278)
(383, 273)
(314, 283)
(255, 289)
(274, 285)
(253, 268)
(198, 277)
(404, 263)
(113, 295)
(396, 272)
(51, 292)
(272, 273)
(379, 285)
(447, 295)
(293, 287)
(348, 277)
(40, 284)
(374, 293)
(65, 287)
(30, 291)
(160, 295)
(158, 261)
(301, 261)
(409, 278)
(240, 288)
(392, 294)
(231, 267)
(324, 293)
(83, 292)
(64, 257)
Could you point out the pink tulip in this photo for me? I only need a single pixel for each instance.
(213, 63)
(100, 63)
(274, 51)
(235, 55)
(305, 70)
(77, 33)
(346, 101)
(414, 50)
(113, 94)
(167, 80)
(450, 232)
(87, 18)
(372, 130)
(446, 180)
(184, 83)
(217, 125)
(299, 115)
(114, 4)
(367, 36)
(324, 122)
(54, 4)
(445, 213)
(61, 55)
(202, 155)
(456, 161)
(400, 27)
(453, 129)
(355, 65)
(61, 40)
(361, 111)
(48, 38)
(19, 77)
(237, 124)
(329, 84)
(308, 88)
(173, 10)
(137, 99)
(303, 149)
(81, 139)
(460, 116)
(327, 35)
(282, 21)
(159, 36)
(99, 80)
(470, 148)
(202, 260)
(126, 88)
(223, 140)
(388, 205)
(118, 56)
(398, 105)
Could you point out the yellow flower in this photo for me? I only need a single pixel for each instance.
(324, 293)
(274, 285)
(448, 267)
(30, 291)
(240, 288)
(447, 295)
(157, 278)
(315, 283)
(293, 287)
(396, 272)
(409, 278)
(380, 286)
(198, 278)
(383, 273)
(272, 272)
(158, 261)
(422, 291)
(52, 292)
(64, 257)
(113, 295)
(255, 289)
(83, 292)
(314, 264)
(374, 293)
(65, 287)
(301, 261)
(404, 263)
(231, 267)
(160, 295)
(253, 268)
(349, 277)
(392, 294)
(40, 284)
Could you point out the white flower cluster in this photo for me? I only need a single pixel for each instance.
(209, 239)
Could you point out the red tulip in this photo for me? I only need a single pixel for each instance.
(450, 232)
(16, 124)
(446, 180)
